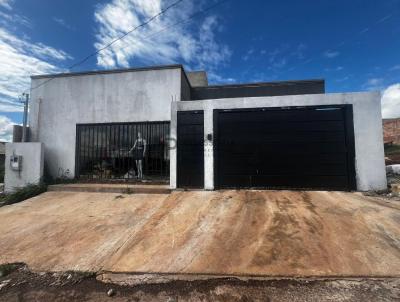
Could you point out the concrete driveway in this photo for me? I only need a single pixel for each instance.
(269, 233)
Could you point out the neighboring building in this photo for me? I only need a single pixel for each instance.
(283, 134)
(391, 131)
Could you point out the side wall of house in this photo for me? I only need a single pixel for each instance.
(367, 118)
(185, 90)
(62, 103)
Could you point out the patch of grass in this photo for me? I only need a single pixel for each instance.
(8, 268)
(82, 274)
(21, 194)
(392, 149)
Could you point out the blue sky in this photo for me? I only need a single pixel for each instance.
(353, 45)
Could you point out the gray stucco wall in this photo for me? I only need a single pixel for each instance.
(32, 165)
(370, 162)
(185, 87)
(197, 78)
(60, 104)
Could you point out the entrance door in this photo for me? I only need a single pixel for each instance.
(190, 152)
(308, 147)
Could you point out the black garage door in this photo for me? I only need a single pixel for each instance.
(190, 152)
(308, 147)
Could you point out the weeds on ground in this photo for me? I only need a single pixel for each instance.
(81, 274)
(392, 149)
(21, 194)
(8, 268)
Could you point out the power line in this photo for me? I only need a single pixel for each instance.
(114, 41)
(350, 39)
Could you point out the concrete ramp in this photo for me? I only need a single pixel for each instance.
(245, 233)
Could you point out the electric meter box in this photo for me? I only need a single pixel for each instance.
(16, 162)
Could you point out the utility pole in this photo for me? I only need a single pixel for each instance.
(25, 118)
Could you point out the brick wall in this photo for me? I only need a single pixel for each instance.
(391, 131)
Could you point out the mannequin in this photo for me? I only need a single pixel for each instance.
(139, 150)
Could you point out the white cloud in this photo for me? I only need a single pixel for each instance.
(281, 56)
(391, 102)
(375, 81)
(38, 50)
(396, 67)
(383, 19)
(6, 19)
(331, 54)
(20, 58)
(216, 78)
(338, 68)
(374, 84)
(248, 54)
(6, 128)
(8, 104)
(299, 51)
(343, 79)
(279, 63)
(63, 23)
(6, 4)
(159, 42)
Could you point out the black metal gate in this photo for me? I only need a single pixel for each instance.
(102, 150)
(306, 147)
(190, 152)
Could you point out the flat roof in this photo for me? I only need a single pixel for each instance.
(108, 71)
(173, 66)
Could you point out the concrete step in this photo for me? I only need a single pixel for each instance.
(112, 188)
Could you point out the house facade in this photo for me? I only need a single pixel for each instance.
(174, 127)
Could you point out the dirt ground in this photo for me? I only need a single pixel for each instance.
(265, 233)
(23, 285)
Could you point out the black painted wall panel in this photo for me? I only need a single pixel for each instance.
(258, 89)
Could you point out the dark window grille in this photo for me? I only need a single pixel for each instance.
(102, 150)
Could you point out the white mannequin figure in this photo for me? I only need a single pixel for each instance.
(139, 150)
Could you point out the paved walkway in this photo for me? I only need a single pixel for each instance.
(265, 233)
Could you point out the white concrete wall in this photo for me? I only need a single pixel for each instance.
(32, 165)
(130, 96)
(370, 163)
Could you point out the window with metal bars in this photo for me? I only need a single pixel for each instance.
(104, 151)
